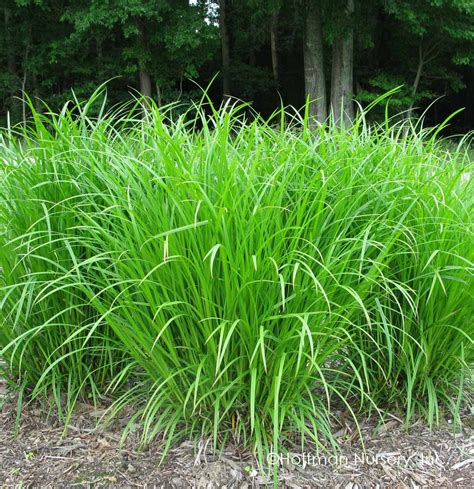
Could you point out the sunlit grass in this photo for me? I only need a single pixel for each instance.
(235, 278)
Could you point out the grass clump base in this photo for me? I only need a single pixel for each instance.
(232, 277)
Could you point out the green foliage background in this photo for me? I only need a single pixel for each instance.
(48, 47)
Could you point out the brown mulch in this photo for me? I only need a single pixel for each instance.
(90, 456)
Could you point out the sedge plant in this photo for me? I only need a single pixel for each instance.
(234, 278)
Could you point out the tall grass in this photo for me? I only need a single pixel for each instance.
(232, 277)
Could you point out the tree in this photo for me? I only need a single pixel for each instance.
(275, 7)
(315, 81)
(266, 50)
(225, 49)
(163, 41)
(425, 42)
(342, 85)
(258, 41)
(9, 78)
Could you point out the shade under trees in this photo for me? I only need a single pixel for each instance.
(266, 52)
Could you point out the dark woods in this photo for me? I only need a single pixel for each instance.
(267, 52)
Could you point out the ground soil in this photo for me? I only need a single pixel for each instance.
(89, 455)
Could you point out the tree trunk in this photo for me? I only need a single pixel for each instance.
(416, 82)
(348, 68)
(23, 82)
(10, 53)
(11, 68)
(315, 83)
(274, 46)
(224, 48)
(159, 95)
(336, 79)
(342, 79)
(36, 92)
(143, 74)
(252, 55)
(145, 82)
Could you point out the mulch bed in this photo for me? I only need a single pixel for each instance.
(90, 456)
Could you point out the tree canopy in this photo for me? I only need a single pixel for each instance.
(265, 51)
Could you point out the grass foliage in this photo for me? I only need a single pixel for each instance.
(231, 277)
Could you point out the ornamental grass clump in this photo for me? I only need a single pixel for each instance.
(235, 278)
